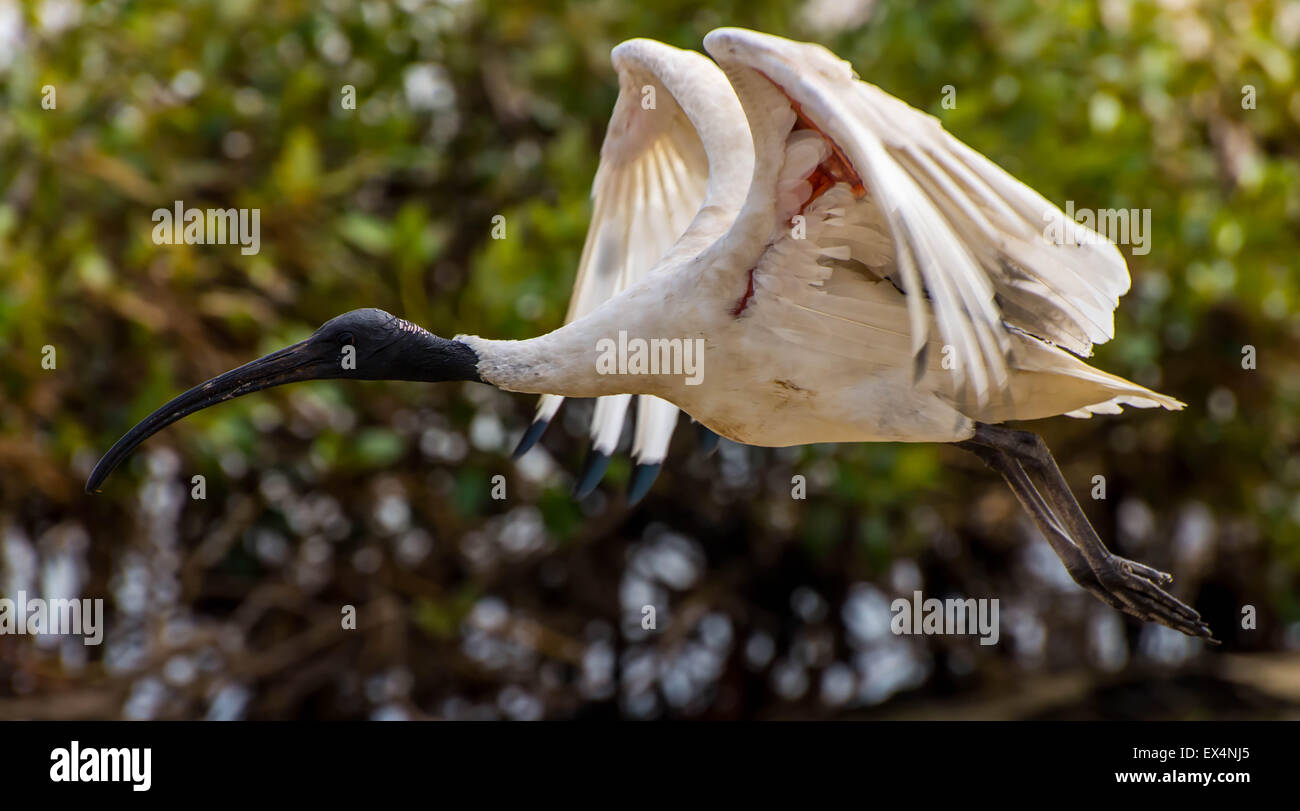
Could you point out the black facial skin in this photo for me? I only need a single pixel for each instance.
(385, 347)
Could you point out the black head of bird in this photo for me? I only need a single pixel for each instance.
(367, 344)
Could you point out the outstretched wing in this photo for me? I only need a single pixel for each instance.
(886, 194)
(674, 166)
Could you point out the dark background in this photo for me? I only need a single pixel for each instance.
(378, 495)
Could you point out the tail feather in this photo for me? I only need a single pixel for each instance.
(1049, 381)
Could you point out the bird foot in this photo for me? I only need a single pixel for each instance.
(1136, 589)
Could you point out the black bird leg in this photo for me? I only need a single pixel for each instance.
(1023, 460)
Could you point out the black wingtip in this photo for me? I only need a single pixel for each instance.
(593, 470)
(919, 362)
(642, 478)
(530, 437)
(706, 441)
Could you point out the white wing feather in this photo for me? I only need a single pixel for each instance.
(669, 168)
(977, 252)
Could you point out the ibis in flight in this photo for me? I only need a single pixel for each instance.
(834, 266)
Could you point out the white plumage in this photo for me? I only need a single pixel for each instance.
(904, 287)
(676, 157)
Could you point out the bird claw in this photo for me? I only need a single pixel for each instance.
(1144, 571)
(1136, 589)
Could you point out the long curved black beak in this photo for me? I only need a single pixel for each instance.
(299, 362)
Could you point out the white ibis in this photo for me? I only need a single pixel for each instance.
(847, 270)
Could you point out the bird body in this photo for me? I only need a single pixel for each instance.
(842, 268)
(808, 334)
(763, 384)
